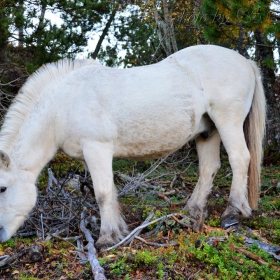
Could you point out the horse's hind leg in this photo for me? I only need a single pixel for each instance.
(230, 128)
(98, 157)
(209, 163)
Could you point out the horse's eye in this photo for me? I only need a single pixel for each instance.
(2, 189)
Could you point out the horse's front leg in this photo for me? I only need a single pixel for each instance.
(98, 157)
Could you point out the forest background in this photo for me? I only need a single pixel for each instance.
(134, 33)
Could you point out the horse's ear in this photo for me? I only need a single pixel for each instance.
(4, 159)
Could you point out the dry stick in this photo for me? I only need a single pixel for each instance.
(181, 223)
(80, 252)
(173, 181)
(163, 196)
(42, 226)
(192, 276)
(70, 210)
(154, 243)
(264, 192)
(141, 227)
(97, 270)
(254, 257)
(130, 240)
(5, 260)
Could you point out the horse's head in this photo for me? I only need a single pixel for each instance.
(17, 197)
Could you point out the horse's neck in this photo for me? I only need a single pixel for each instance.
(33, 147)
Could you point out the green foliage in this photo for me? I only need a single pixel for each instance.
(42, 40)
(233, 24)
(145, 258)
(120, 267)
(10, 243)
(134, 37)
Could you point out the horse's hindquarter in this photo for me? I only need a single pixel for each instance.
(227, 79)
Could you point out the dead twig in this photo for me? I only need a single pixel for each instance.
(163, 196)
(7, 260)
(193, 275)
(180, 223)
(85, 183)
(154, 243)
(97, 270)
(254, 257)
(141, 227)
(130, 240)
(266, 191)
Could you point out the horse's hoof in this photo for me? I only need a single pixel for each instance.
(229, 220)
(102, 246)
(198, 226)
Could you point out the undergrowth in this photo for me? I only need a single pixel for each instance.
(192, 258)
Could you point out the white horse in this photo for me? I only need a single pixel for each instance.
(95, 113)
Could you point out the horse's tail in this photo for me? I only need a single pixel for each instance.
(254, 130)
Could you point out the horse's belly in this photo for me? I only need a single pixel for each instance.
(140, 151)
(154, 140)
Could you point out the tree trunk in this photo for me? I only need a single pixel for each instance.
(3, 35)
(241, 43)
(165, 29)
(264, 53)
(104, 33)
(20, 29)
(41, 25)
(197, 4)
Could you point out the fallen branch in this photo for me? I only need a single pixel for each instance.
(254, 257)
(97, 270)
(141, 227)
(180, 223)
(193, 275)
(266, 191)
(6, 260)
(130, 240)
(154, 243)
(270, 249)
(163, 196)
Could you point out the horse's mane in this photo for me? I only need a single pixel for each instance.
(29, 93)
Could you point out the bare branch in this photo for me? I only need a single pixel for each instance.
(97, 270)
